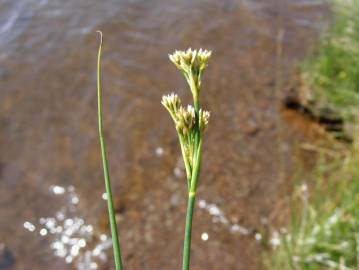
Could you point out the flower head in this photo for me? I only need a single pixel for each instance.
(191, 60)
(203, 56)
(172, 103)
(185, 120)
(192, 63)
(203, 119)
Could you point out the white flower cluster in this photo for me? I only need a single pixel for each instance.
(191, 59)
(190, 121)
(192, 63)
(184, 118)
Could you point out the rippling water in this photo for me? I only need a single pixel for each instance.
(48, 132)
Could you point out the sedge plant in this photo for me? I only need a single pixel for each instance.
(110, 204)
(190, 123)
(331, 72)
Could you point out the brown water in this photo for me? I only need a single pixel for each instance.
(51, 183)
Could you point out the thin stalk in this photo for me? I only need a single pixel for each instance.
(186, 162)
(111, 211)
(196, 168)
(194, 178)
(191, 63)
(190, 209)
(195, 91)
(188, 232)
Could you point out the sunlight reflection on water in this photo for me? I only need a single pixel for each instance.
(68, 234)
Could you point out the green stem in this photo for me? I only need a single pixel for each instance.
(188, 232)
(197, 154)
(186, 162)
(190, 209)
(196, 168)
(195, 92)
(197, 137)
(111, 211)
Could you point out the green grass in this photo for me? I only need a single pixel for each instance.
(323, 232)
(325, 235)
(332, 72)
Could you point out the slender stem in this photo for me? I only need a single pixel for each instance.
(190, 209)
(196, 168)
(197, 137)
(111, 211)
(188, 232)
(186, 162)
(194, 177)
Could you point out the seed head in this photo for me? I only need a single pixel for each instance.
(192, 63)
(176, 58)
(203, 56)
(172, 103)
(203, 119)
(191, 60)
(185, 120)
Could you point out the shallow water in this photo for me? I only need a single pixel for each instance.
(48, 128)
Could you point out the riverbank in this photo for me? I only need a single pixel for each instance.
(324, 225)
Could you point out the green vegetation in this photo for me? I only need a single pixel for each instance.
(325, 235)
(333, 72)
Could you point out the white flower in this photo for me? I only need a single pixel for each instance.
(185, 120)
(172, 103)
(203, 119)
(191, 60)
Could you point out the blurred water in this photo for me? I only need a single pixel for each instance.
(69, 236)
(48, 129)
